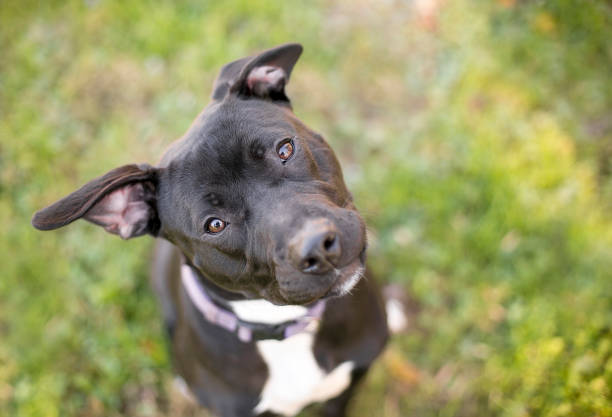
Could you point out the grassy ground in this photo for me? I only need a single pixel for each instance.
(476, 135)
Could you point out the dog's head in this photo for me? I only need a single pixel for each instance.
(253, 198)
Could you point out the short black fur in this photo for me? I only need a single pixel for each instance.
(278, 214)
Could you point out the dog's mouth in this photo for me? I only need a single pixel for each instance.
(341, 282)
(347, 277)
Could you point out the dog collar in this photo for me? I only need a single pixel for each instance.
(245, 331)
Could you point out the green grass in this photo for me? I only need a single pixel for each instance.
(477, 141)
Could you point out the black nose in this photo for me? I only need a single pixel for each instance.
(315, 249)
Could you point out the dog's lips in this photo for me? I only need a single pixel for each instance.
(344, 279)
(347, 278)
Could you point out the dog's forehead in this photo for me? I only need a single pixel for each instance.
(239, 122)
(226, 142)
(229, 127)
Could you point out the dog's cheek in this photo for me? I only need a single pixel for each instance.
(219, 267)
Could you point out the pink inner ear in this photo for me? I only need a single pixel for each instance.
(262, 80)
(123, 212)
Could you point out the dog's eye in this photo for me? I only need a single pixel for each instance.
(285, 149)
(215, 225)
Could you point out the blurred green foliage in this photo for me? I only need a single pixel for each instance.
(476, 135)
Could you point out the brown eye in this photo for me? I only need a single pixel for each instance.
(215, 225)
(285, 150)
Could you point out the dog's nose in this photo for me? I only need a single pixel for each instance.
(315, 249)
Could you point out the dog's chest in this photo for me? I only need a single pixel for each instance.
(295, 379)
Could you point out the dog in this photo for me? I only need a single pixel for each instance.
(261, 252)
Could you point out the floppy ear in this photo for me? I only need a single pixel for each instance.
(122, 201)
(263, 76)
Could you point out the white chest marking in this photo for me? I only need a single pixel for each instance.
(295, 379)
(262, 311)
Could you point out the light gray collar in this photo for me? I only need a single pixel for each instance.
(246, 331)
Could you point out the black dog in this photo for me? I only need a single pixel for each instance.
(262, 244)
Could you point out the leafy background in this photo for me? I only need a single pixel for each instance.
(477, 136)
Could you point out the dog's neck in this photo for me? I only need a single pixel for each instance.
(249, 319)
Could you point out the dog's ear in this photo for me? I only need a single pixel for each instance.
(263, 76)
(122, 201)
